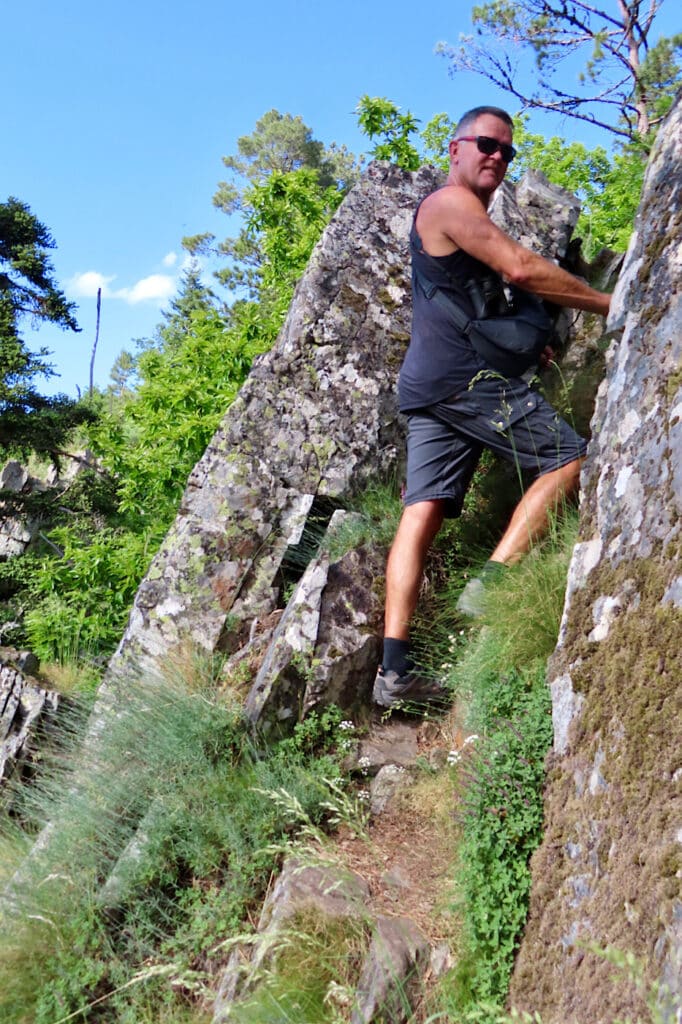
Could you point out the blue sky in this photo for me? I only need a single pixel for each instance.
(116, 117)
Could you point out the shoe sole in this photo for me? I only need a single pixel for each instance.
(387, 698)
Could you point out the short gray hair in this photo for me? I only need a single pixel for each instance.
(466, 120)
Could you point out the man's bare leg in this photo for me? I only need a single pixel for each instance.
(418, 526)
(544, 497)
(395, 683)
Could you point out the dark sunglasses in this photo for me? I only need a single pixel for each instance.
(489, 146)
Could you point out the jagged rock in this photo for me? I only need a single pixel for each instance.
(24, 709)
(389, 780)
(25, 661)
(398, 957)
(300, 887)
(610, 865)
(348, 648)
(18, 531)
(391, 742)
(537, 214)
(327, 643)
(72, 464)
(14, 477)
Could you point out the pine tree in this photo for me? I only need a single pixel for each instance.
(30, 421)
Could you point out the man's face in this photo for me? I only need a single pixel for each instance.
(473, 169)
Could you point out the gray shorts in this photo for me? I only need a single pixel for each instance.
(445, 441)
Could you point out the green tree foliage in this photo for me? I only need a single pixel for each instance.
(378, 116)
(28, 420)
(397, 134)
(288, 212)
(152, 442)
(280, 144)
(626, 85)
(86, 575)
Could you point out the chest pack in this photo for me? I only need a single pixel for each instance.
(508, 332)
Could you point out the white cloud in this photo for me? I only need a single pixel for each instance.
(86, 285)
(170, 259)
(154, 288)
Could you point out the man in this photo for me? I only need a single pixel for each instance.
(455, 405)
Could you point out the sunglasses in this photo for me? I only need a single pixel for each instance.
(489, 146)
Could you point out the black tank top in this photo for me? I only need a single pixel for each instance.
(439, 361)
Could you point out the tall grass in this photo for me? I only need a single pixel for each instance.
(158, 843)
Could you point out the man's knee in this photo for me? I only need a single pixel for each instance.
(423, 518)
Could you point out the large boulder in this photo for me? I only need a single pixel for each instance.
(607, 875)
(315, 420)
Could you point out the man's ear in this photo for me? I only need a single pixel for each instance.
(453, 147)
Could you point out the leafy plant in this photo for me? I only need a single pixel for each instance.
(499, 671)
(502, 825)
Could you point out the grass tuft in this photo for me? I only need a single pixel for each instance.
(162, 836)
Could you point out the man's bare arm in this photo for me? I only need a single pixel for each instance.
(455, 216)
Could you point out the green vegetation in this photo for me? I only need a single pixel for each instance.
(498, 671)
(30, 422)
(92, 919)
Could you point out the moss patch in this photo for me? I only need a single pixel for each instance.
(608, 869)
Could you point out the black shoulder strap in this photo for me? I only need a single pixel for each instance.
(433, 292)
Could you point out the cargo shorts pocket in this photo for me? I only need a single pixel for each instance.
(513, 409)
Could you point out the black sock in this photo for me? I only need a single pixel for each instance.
(397, 656)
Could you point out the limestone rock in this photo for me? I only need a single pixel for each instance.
(538, 215)
(398, 956)
(300, 887)
(327, 644)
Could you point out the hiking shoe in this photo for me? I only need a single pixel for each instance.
(391, 689)
(471, 601)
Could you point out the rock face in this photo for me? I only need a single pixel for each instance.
(25, 708)
(316, 419)
(609, 869)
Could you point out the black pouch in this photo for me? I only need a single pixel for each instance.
(513, 343)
